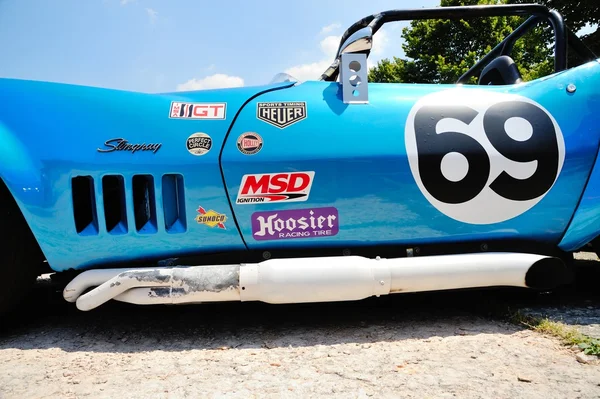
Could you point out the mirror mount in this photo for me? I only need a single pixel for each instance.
(354, 78)
(352, 61)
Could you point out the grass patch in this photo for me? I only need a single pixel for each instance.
(569, 335)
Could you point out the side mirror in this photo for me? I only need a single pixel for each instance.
(359, 41)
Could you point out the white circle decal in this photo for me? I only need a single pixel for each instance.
(483, 157)
(199, 144)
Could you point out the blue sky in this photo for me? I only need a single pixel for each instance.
(160, 45)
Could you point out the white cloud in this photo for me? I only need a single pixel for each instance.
(312, 71)
(329, 45)
(125, 2)
(386, 43)
(380, 42)
(152, 14)
(330, 28)
(308, 71)
(216, 81)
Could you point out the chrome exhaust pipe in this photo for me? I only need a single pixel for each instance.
(298, 280)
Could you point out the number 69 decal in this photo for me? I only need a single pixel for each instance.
(483, 157)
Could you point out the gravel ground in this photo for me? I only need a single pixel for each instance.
(436, 345)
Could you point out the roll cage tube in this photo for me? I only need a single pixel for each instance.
(537, 13)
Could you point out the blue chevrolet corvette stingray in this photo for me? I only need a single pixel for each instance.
(329, 190)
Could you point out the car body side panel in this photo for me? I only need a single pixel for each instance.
(51, 132)
(586, 222)
(361, 165)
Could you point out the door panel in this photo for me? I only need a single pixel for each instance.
(368, 171)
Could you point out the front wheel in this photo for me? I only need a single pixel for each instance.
(20, 256)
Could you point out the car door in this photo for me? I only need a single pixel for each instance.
(414, 165)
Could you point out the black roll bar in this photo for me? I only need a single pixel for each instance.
(537, 13)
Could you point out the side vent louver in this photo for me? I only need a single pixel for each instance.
(116, 199)
(173, 203)
(144, 204)
(113, 192)
(84, 205)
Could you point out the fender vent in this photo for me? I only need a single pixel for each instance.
(144, 204)
(173, 203)
(84, 205)
(115, 214)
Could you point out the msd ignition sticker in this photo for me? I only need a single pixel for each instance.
(249, 143)
(197, 110)
(199, 144)
(483, 157)
(275, 187)
(281, 115)
(295, 223)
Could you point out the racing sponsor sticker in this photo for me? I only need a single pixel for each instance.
(211, 218)
(199, 144)
(205, 111)
(275, 187)
(283, 114)
(483, 158)
(249, 143)
(121, 144)
(295, 223)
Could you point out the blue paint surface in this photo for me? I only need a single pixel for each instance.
(49, 133)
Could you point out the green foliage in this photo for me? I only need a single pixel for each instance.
(569, 335)
(592, 347)
(440, 51)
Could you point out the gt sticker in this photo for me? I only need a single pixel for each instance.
(483, 158)
(295, 223)
(199, 144)
(211, 218)
(281, 115)
(249, 143)
(197, 110)
(275, 187)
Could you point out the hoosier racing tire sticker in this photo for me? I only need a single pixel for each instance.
(295, 224)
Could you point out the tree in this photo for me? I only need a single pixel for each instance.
(440, 51)
(577, 14)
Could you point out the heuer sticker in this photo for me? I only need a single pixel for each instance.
(281, 115)
(198, 110)
(249, 143)
(295, 223)
(123, 145)
(211, 218)
(275, 187)
(199, 143)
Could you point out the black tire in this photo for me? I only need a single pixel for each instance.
(20, 256)
(595, 244)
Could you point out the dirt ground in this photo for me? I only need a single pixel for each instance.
(435, 345)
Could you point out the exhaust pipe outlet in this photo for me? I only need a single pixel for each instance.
(548, 273)
(301, 280)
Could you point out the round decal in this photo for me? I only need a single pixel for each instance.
(483, 158)
(199, 143)
(249, 143)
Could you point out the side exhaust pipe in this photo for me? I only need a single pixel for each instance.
(326, 279)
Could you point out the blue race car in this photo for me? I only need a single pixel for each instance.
(327, 190)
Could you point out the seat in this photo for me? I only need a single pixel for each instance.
(501, 71)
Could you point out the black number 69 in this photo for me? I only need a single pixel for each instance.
(542, 147)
